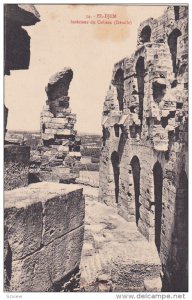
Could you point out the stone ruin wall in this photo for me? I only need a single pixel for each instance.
(143, 166)
(17, 57)
(44, 222)
(59, 156)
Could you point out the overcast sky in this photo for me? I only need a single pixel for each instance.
(90, 50)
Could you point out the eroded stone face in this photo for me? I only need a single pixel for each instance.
(144, 122)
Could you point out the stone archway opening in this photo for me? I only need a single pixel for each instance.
(145, 35)
(116, 172)
(119, 83)
(172, 42)
(135, 164)
(158, 186)
(140, 73)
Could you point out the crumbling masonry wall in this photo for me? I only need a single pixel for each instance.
(43, 243)
(143, 167)
(58, 156)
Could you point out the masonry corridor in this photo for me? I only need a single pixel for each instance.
(115, 256)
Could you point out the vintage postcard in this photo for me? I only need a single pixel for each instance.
(96, 148)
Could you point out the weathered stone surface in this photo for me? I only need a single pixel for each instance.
(41, 270)
(16, 166)
(56, 221)
(145, 127)
(44, 229)
(153, 285)
(24, 225)
(58, 84)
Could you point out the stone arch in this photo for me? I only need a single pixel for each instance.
(140, 73)
(172, 42)
(145, 35)
(116, 172)
(158, 187)
(119, 83)
(135, 165)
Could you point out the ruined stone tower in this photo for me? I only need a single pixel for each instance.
(60, 152)
(143, 167)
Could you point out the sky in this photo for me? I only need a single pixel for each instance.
(91, 50)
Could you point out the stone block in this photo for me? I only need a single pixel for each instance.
(48, 266)
(37, 257)
(56, 221)
(23, 221)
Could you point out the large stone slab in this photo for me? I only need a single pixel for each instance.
(44, 229)
(41, 270)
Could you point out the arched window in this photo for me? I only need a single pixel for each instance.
(136, 179)
(140, 72)
(115, 164)
(119, 83)
(145, 34)
(172, 42)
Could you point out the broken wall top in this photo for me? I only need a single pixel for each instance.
(58, 84)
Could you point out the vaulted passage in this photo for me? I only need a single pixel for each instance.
(145, 34)
(115, 164)
(172, 42)
(158, 184)
(136, 179)
(140, 72)
(119, 83)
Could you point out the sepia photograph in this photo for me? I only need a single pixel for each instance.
(95, 148)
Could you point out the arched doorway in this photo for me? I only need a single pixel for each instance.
(140, 72)
(119, 83)
(172, 42)
(145, 34)
(115, 164)
(158, 185)
(136, 179)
